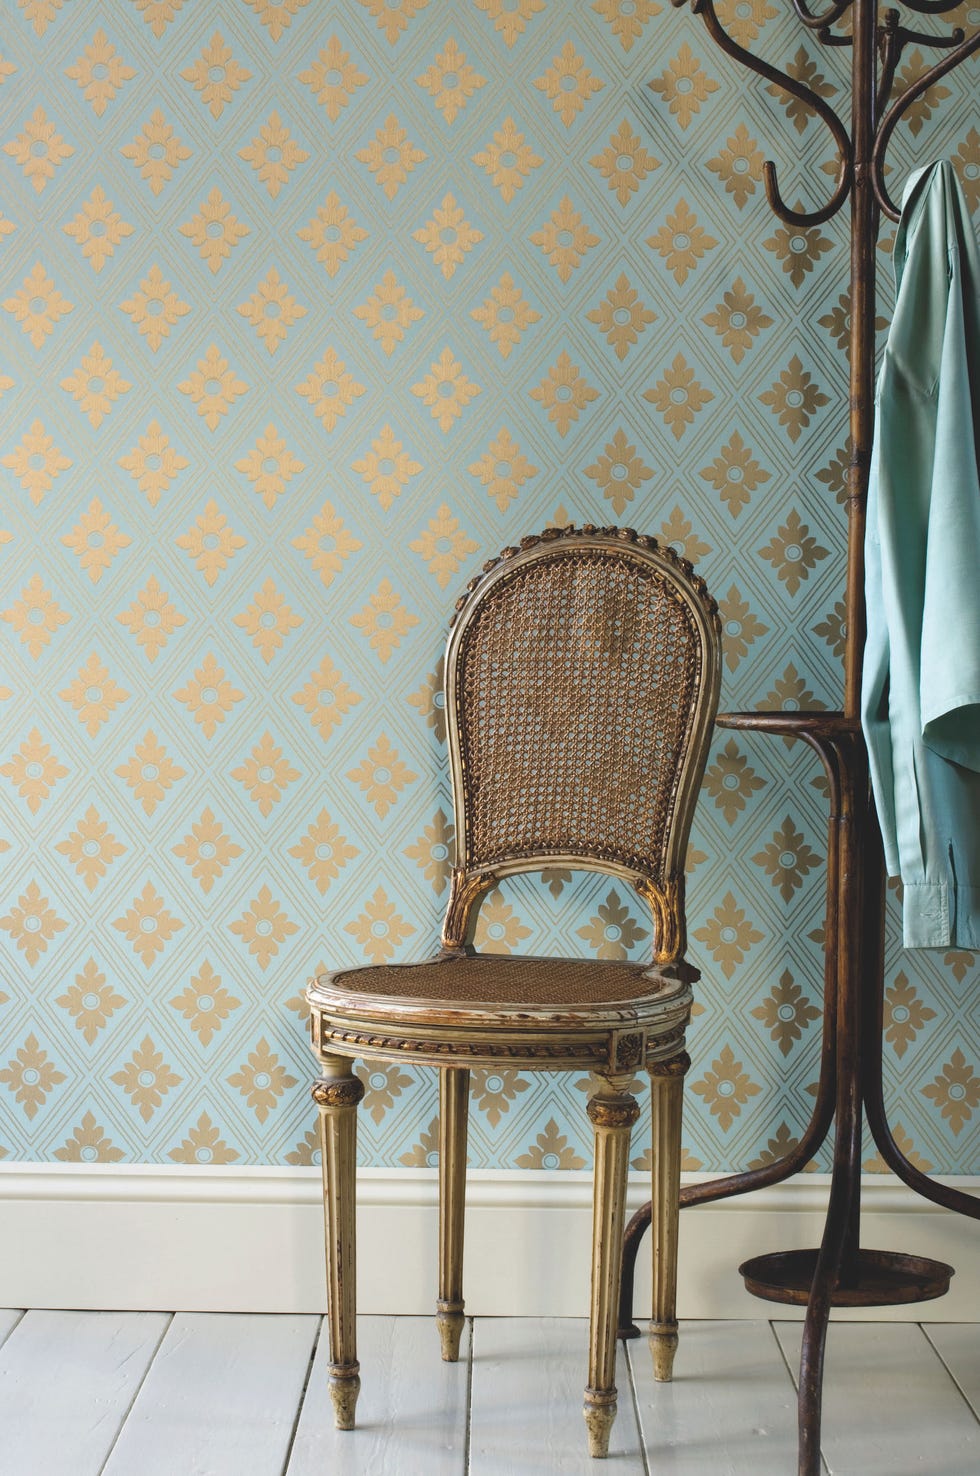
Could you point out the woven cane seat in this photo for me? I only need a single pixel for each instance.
(501, 979)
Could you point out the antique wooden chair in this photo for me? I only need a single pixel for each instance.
(581, 683)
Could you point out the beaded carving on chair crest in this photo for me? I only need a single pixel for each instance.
(580, 679)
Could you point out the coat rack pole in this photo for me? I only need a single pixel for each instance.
(840, 1272)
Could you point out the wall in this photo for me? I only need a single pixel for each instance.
(307, 309)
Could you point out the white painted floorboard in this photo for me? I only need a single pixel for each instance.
(889, 1406)
(958, 1345)
(730, 1410)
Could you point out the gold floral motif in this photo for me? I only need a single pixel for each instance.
(564, 393)
(393, 16)
(270, 466)
(492, 1091)
(744, 19)
(833, 628)
(214, 230)
(425, 1152)
(333, 78)
(444, 546)
(210, 541)
(306, 1153)
(731, 781)
(626, 18)
(90, 1001)
(382, 775)
(740, 627)
(146, 1078)
(782, 1142)
(268, 620)
(430, 703)
(262, 1080)
(39, 149)
(94, 694)
(433, 850)
(156, 151)
(150, 772)
(327, 542)
(508, 160)
(794, 398)
(955, 1091)
(622, 316)
(739, 166)
(793, 552)
(787, 860)
(216, 75)
(388, 312)
(32, 923)
(332, 234)
(966, 162)
(277, 15)
(498, 928)
(203, 1144)
(213, 387)
(152, 618)
(272, 310)
(619, 472)
(264, 927)
(379, 929)
(31, 1075)
(959, 961)
(564, 239)
(505, 314)
(450, 81)
(91, 848)
(510, 17)
(613, 931)
(678, 531)
(737, 320)
(95, 385)
(448, 236)
(330, 389)
(877, 1165)
(37, 305)
(209, 696)
(98, 229)
(802, 69)
(382, 1084)
(735, 474)
(35, 616)
(792, 693)
(266, 774)
(568, 84)
(89, 1144)
(835, 474)
(148, 925)
(786, 1012)
(205, 1003)
(684, 86)
(682, 242)
(323, 852)
(36, 462)
(207, 849)
(550, 1150)
(728, 935)
(273, 154)
(679, 396)
(798, 249)
(917, 114)
(726, 1088)
(40, 13)
(326, 697)
(100, 72)
(905, 1014)
(153, 463)
(446, 390)
(155, 308)
(503, 469)
(390, 156)
(643, 1164)
(158, 13)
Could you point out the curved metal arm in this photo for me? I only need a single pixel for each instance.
(706, 9)
(932, 7)
(817, 22)
(901, 105)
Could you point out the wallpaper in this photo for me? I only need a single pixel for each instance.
(308, 307)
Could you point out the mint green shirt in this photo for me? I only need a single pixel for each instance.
(921, 693)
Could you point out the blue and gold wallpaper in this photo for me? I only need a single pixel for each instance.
(308, 307)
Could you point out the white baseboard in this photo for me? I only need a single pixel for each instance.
(87, 1236)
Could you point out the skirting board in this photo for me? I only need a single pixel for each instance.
(226, 1239)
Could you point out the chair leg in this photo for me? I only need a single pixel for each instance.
(612, 1113)
(337, 1094)
(667, 1084)
(454, 1096)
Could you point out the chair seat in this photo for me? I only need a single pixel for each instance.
(556, 1013)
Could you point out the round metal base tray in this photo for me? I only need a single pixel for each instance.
(883, 1279)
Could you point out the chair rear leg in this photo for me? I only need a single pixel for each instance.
(612, 1112)
(667, 1085)
(454, 1095)
(337, 1094)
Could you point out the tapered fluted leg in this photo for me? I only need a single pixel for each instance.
(667, 1083)
(454, 1093)
(337, 1096)
(612, 1114)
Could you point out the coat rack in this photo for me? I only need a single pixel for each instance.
(841, 1273)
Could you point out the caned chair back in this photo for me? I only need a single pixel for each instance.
(581, 685)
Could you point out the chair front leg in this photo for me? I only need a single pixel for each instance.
(337, 1094)
(667, 1086)
(454, 1096)
(612, 1112)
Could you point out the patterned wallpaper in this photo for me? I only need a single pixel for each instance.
(307, 307)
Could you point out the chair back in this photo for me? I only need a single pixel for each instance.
(582, 678)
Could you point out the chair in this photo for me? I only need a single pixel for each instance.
(581, 682)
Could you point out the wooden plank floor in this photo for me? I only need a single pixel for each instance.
(143, 1394)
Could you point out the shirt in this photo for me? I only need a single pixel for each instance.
(920, 701)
